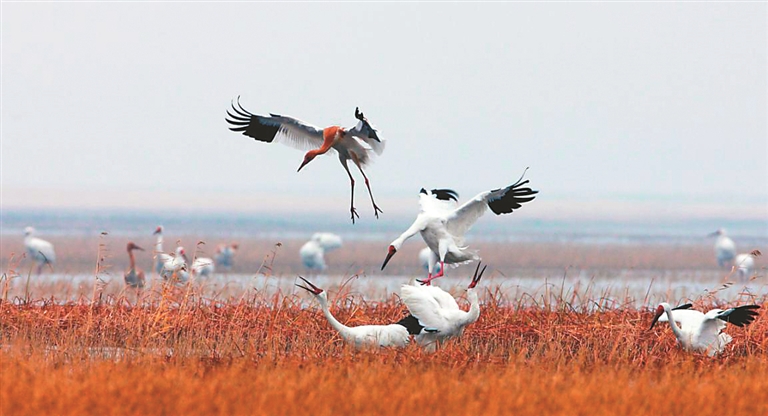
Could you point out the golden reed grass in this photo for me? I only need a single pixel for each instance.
(179, 353)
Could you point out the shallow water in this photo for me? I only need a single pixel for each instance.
(579, 288)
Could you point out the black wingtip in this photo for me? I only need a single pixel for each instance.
(740, 316)
(411, 324)
(685, 306)
(446, 194)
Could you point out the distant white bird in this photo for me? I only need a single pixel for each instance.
(175, 268)
(442, 224)
(426, 256)
(438, 313)
(328, 241)
(392, 335)
(745, 263)
(357, 144)
(225, 256)
(161, 258)
(203, 267)
(703, 332)
(313, 251)
(39, 250)
(725, 249)
(134, 276)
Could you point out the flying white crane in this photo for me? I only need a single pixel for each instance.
(134, 276)
(357, 144)
(225, 255)
(39, 250)
(442, 224)
(392, 335)
(438, 313)
(725, 249)
(312, 253)
(703, 332)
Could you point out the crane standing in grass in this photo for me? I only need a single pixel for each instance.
(438, 313)
(393, 335)
(161, 258)
(357, 144)
(225, 255)
(703, 332)
(175, 267)
(39, 250)
(442, 224)
(725, 248)
(134, 276)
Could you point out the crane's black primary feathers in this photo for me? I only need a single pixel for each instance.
(260, 128)
(511, 198)
(686, 306)
(367, 129)
(411, 324)
(743, 315)
(445, 194)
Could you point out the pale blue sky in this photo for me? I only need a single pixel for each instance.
(616, 108)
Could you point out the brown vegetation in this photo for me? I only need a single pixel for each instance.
(180, 353)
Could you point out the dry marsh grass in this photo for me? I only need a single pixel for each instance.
(180, 353)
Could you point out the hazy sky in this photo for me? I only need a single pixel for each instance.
(614, 107)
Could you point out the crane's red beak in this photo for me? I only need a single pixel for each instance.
(476, 278)
(312, 288)
(392, 251)
(659, 312)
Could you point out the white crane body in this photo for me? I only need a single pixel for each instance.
(703, 332)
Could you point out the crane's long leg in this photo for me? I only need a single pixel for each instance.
(376, 209)
(352, 209)
(430, 277)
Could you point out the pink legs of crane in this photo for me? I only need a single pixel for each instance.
(430, 277)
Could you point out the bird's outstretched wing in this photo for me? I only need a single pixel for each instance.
(438, 201)
(274, 128)
(424, 307)
(500, 201)
(365, 132)
(741, 316)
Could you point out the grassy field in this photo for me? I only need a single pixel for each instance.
(182, 351)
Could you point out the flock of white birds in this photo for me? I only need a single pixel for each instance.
(435, 316)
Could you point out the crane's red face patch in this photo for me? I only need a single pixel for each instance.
(659, 312)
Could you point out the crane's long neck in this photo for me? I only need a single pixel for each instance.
(330, 136)
(159, 244)
(675, 329)
(417, 226)
(474, 308)
(132, 259)
(338, 326)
